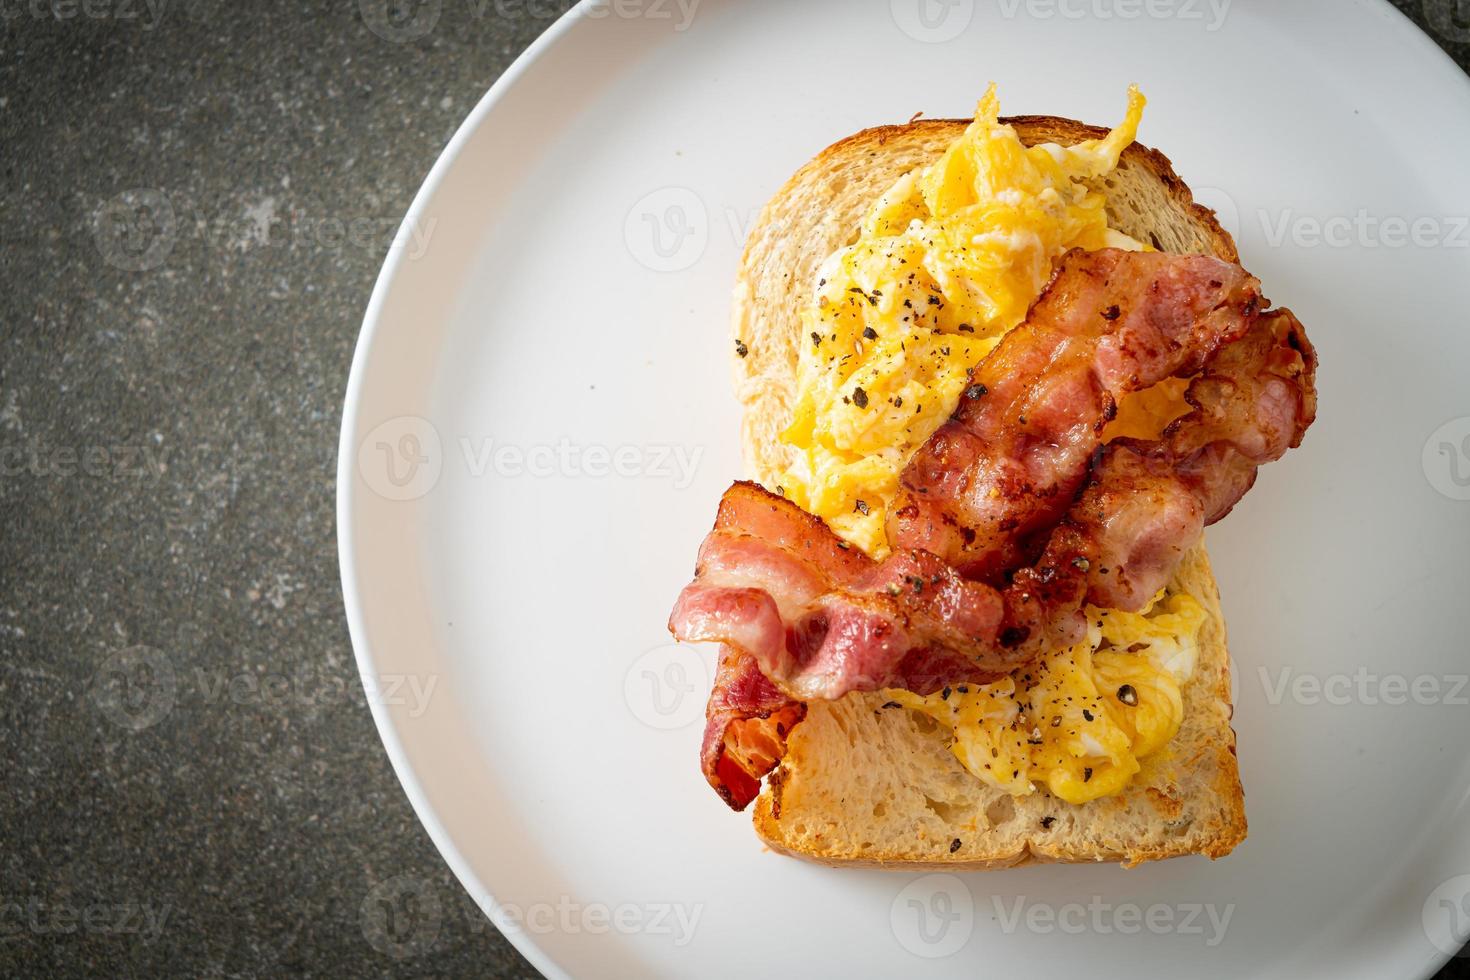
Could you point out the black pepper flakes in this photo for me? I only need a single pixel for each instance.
(976, 391)
(1128, 695)
(816, 339)
(870, 333)
(954, 845)
(1046, 822)
(740, 348)
(1112, 312)
(1087, 714)
(892, 704)
(944, 694)
(861, 507)
(1087, 774)
(860, 397)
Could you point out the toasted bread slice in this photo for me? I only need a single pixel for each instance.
(866, 787)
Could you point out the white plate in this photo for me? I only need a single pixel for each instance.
(582, 231)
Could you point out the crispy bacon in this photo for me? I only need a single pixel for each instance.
(1149, 501)
(1008, 463)
(802, 616)
(746, 724)
(822, 619)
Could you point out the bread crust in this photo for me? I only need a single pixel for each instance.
(1188, 799)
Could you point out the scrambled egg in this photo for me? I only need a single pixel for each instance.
(947, 261)
(1082, 718)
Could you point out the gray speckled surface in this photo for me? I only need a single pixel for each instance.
(207, 388)
(192, 782)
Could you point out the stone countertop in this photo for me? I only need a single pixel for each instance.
(193, 783)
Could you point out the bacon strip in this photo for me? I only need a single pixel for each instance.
(822, 619)
(1008, 463)
(746, 724)
(1149, 501)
